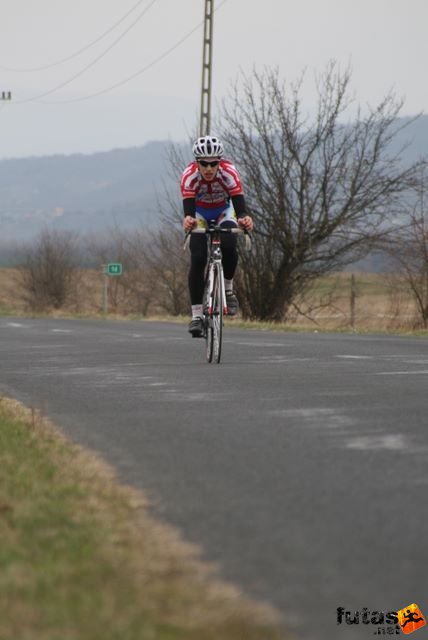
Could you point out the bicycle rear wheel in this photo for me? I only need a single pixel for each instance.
(215, 329)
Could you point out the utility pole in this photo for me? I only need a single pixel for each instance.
(205, 121)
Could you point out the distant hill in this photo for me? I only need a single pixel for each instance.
(416, 136)
(83, 192)
(90, 193)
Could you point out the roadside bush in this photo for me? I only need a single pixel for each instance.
(48, 271)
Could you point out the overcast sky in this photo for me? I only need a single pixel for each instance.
(384, 41)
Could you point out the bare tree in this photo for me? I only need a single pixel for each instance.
(48, 270)
(163, 253)
(408, 248)
(321, 190)
(139, 285)
(170, 206)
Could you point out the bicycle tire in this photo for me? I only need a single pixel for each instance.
(214, 318)
(209, 336)
(208, 323)
(218, 308)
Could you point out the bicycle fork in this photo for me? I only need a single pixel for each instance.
(216, 268)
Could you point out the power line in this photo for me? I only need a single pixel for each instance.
(140, 71)
(76, 53)
(91, 64)
(125, 80)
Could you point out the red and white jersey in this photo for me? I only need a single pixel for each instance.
(215, 193)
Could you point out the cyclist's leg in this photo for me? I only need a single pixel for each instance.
(230, 258)
(228, 243)
(198, 259)
(196, 277)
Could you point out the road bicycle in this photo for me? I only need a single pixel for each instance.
(214, 299)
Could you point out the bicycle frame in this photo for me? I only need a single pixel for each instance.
(214, 298)
(214, 260)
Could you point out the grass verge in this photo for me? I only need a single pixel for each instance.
(236, 323)
(295, 328)
(81, 558)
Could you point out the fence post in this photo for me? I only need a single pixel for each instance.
(352, 301)
(105, 288)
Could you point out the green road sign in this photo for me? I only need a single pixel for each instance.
(114, 269)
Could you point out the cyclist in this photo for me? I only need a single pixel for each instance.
(212, 191)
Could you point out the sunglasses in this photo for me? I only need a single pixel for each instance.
(204, 163)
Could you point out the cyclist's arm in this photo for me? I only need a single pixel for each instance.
(244, 220)
(189, 207)
(189, 210)
(238, 202)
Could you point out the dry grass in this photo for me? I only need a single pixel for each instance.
(88, 300)
(383, 302)
(82, 558)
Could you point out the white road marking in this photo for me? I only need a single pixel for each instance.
(282, 359)
(46, 347)
(61, 330)
(319, 418)
(403, 373)
(355, 357)
(391, 442)
(17, 325)
(262, 345)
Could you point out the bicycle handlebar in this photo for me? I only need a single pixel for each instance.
(211, 229)
(219, 228)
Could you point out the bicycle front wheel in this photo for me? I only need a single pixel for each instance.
(217, 315)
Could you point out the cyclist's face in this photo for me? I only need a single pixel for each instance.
(208, 171)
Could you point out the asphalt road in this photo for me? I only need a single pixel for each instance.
(300, 463)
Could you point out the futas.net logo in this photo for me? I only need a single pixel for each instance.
(410, 618)
(405, 620)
